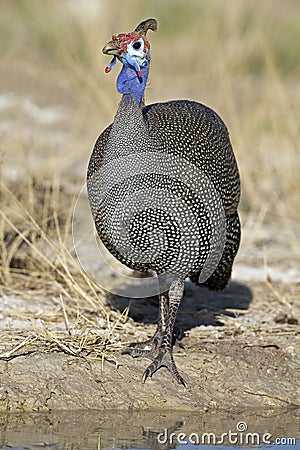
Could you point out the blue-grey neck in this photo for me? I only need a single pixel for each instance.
(130, 85)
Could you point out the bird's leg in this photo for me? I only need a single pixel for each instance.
(148, 347)
(163, 356)
(162, 322)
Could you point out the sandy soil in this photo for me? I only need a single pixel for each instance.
(240, 351)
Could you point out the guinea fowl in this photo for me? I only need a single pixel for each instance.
(164, 188)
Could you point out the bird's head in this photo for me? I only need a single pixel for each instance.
(132, 49)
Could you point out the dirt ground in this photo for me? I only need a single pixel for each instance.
(240, 351)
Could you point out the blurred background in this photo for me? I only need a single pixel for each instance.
(242, 58)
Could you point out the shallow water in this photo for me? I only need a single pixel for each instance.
(93, 430)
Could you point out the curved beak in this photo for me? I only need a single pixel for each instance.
(111, 48)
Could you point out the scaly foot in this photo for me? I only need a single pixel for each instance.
(148, 348)
(164, 358)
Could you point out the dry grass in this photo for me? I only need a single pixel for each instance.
(241, 58)
(38, 265)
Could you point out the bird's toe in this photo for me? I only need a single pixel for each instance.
(164, 359)
(178, 335)
(138, 349)
(147, 348)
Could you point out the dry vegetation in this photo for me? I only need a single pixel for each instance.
(241, 58)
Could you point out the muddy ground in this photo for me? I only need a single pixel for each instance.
(241, 349)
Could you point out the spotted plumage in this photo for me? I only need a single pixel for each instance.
(164, 189)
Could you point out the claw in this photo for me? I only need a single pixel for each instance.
(146, 375)
(182, 382)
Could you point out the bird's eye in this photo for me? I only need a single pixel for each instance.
(136, 45)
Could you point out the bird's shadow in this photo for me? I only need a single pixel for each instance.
(199, 306)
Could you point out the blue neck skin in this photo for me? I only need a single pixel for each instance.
(130, 85)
